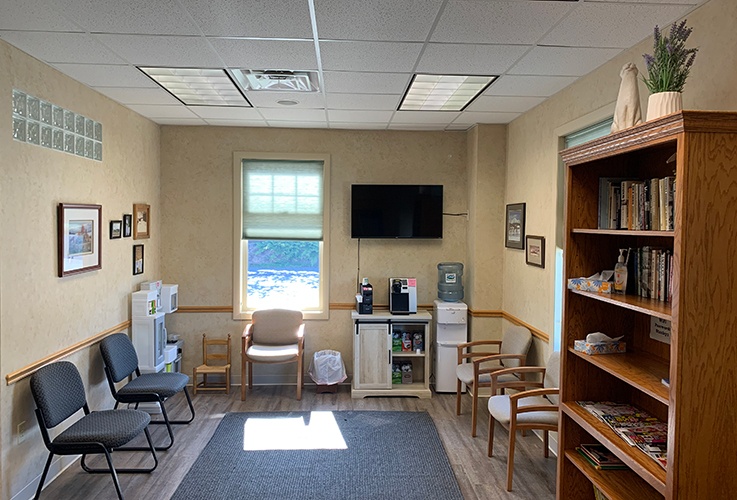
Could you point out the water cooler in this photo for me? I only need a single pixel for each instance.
(450, 330)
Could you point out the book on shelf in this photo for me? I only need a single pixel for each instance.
(637, 205)
(598, 456)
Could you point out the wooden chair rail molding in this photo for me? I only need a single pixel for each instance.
(347, 306)
(28, 370)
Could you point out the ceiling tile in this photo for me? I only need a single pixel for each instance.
(474, 117)
(32, 15)
(251, 19)
(130, 16)
(682, 2)
(298, 124)
(62, 47)
(179, 121)
(417, 126)
(363, 101)
(482, 21)
(226, 113)
(610, 25)
(542, 86)
(156, 111)
(290, 114)
(128, 95)
(562, 61)
(165, 51)
(266, 54)
(394, 20)
(236, 123)
(358, 125)
(104, 75)
(504, 104)
(266, 99)
(338, 115)
(469, 59)
(393, 57)
(426, 117)
(366, 83)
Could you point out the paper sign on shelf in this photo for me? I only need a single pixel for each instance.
(660, 329)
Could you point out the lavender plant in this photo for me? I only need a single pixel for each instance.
(669, 65)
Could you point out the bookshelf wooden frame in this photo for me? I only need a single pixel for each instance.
(700, 361)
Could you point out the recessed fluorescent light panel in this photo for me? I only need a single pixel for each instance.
(443, 92)
(198, 87)
(276, 80)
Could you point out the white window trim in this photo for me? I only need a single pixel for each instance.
(240, 256)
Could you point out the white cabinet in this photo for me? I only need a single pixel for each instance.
(373, 356)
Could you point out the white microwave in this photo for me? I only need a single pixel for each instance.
(169, 298)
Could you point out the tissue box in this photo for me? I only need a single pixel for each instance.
(590, 285)
(600, 347)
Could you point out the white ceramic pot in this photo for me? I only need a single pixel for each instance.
(663, 103)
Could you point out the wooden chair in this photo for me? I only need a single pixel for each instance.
(273, 336)
(214, 362)
(534, 408)
(474, 366)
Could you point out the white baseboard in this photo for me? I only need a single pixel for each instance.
(59, 465)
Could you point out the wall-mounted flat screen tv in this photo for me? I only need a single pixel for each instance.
(396, 211)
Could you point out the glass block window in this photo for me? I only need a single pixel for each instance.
(45, 124)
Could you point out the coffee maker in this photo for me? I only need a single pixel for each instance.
(365, 298)
(402, 295)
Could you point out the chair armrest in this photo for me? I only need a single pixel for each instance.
(247, 337)
(514, 398)
(301, 336)
(466, 345)
(496, 357)
(520, 372)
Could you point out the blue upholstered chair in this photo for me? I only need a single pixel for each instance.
(121, 361)
(59, 393)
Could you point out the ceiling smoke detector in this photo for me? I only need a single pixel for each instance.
(276, 80)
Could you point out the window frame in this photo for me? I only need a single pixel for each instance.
(240, 246)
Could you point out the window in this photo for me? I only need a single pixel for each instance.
(281, 229)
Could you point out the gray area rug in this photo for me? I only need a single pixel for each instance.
(382, 454)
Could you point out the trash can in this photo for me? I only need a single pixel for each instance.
(327, 370)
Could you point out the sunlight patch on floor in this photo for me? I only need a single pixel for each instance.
(319, 432)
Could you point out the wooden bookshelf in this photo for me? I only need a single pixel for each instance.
(700, 359)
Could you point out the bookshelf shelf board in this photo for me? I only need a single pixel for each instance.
(615, 484)
(653, 307)
(641, 371)
(635, 459)
(623, 232)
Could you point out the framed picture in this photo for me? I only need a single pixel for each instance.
(141, 221)
(515, 226)
(127, 225)
(137, 259)
(116, 227)
(535, 255)
(79, 238)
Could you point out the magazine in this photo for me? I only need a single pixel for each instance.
(600, 457)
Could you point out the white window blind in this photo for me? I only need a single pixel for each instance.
(282, 199)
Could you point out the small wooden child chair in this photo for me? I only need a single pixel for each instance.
(213, 362)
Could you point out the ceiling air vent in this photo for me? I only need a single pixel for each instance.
(276, 80)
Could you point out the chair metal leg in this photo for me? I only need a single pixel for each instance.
(168, 424)
(142, 470)
(43, 477)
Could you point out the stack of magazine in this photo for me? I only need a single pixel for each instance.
(635, 426)
(600, 457)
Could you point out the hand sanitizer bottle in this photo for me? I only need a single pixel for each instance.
(620, 273)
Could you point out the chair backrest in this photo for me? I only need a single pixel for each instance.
(215, 351)
(516, 340)
(58, 392)
(552, 375)
(119, 355)
(276, 326)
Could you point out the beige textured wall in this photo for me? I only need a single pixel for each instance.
(532, 156)
(39, 312)
(196, 180)
(487, 145)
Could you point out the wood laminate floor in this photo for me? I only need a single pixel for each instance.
(479, 476)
